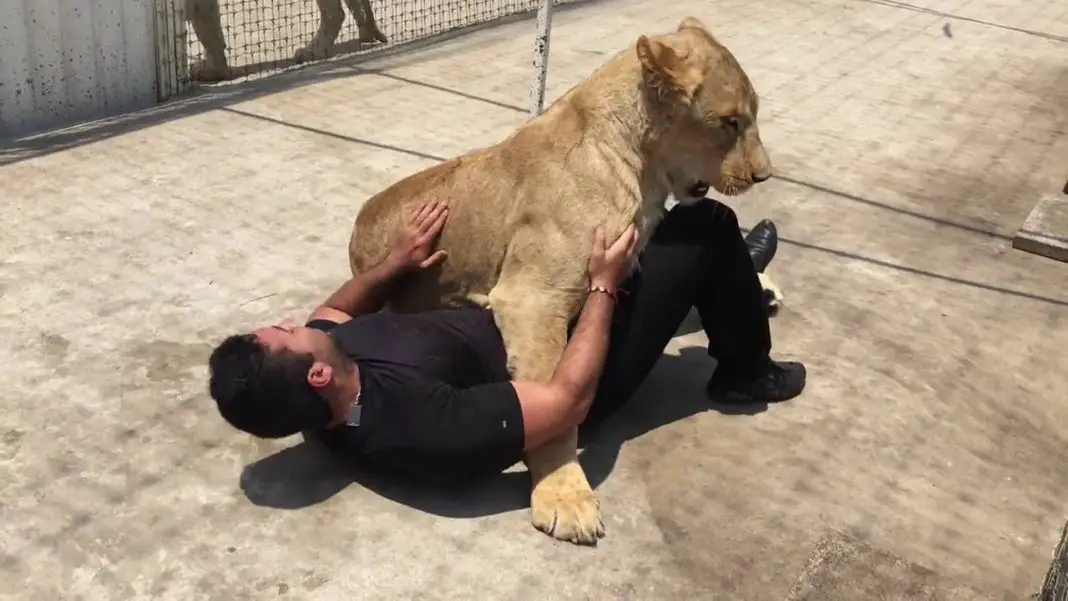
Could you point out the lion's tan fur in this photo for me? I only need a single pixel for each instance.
(647, 124)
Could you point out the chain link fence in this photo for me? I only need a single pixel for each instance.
(208, 41)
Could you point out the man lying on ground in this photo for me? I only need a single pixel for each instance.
(428, 395)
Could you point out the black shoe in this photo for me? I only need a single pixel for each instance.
(763, 241)
(780, 381)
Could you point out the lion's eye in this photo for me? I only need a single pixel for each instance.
(734, 124)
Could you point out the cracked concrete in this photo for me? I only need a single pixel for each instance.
(908, 145)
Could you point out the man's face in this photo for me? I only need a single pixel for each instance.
(287, 336)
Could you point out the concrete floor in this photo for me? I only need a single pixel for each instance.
(925, 460)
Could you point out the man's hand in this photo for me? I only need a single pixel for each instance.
(366, 292)
(608, 266)
(411, 245)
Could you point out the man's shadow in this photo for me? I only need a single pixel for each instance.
(307, 474)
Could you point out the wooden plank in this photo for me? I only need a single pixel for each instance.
(1055, 587)
(1045, 232)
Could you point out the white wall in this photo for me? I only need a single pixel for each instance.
(64, 61)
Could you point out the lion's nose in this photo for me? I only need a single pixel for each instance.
(762, 176)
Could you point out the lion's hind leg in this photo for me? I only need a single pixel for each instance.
(331, 18)
(365, 22)
(207, 25)
(534, 327)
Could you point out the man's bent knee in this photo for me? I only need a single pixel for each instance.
(708, 220)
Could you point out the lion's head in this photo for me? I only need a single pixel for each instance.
(704, 112)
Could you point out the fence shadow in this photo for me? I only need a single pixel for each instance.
(200, 100)
(211, 97)
(306, 474)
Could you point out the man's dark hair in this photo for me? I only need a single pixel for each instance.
(264, 394)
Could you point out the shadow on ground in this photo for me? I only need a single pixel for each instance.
(307, 474)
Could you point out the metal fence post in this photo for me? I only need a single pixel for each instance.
(541, 57)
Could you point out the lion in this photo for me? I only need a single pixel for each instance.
(207, 24)
(671, 115)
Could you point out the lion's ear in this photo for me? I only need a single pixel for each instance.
(665, 71)
(694, 23)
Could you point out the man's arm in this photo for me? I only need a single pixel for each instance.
(364, 293)
(367, 292)
(549, 409)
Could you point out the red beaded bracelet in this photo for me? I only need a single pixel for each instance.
(603, 289)
(614, 294)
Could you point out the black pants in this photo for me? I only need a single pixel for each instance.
(697, 258)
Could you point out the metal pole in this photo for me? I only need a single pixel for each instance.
(541, 57)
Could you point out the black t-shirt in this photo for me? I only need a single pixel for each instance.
(437, 403)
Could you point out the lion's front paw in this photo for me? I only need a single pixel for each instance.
(371, 34)
(571, 515)
(306, 54)
(317, 49)
(209, 71)
(772, 296)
